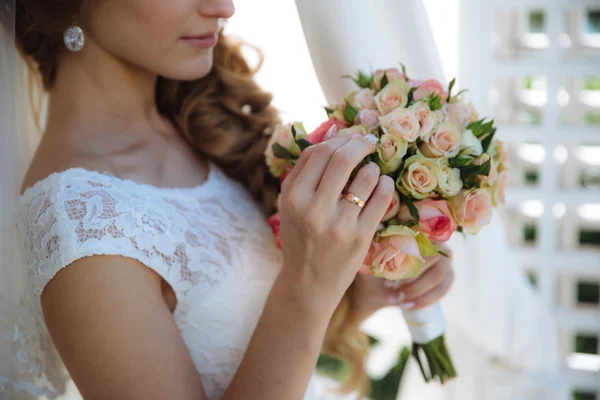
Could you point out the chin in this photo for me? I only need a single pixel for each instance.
(190, 70)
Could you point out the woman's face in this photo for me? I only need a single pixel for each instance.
(170, 38)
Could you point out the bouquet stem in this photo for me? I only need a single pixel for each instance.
(438, 360)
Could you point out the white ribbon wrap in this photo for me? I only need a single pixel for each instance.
(426, 324)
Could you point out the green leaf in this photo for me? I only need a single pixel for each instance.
(303, 144)
(470, 171)
(350, 113)
(364, 80)
(404, 72)
(384, 80)
(435, 103)
(282, 152)
(294, 131)
(372, 341)
(460, 229)
(461, 92)
(487, 140)
(329, 111)
(450, 86)
(414, 212)
(426, 248)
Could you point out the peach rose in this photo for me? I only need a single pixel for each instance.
(414, 83)
(443, 142)
(392, 75)
(283, 136)
(370, 118)
(391, 97)
(473, 113)
(431, 87)
(499, 190)
(395, 254)
(275, 223)
(318, 135)
(393, 208)
(401, 123)
(501, 155)
(360, 129)
(391, 149)
(364, 99)
(418, 177)
(435, 219)
(492, 177)
(473, 209)
(427, 118)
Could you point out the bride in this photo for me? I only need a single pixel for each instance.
(142, 215)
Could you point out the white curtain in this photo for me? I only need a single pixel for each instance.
(502, 337)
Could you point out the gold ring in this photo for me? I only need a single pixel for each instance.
(355, 199)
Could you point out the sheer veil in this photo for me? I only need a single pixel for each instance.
(29, 365)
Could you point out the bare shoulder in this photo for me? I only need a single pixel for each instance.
(110, 323)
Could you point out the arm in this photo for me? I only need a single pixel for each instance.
(116, 336)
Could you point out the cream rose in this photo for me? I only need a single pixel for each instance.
(364, 99)
(474, 116)
(392, 75)
(391, 149)
(443, 142)
(418, 177)
(448, 178)
(283, 136)
(401, 123)
(459, 114)
(392, 96)
(499, 189)
(470, 145)
(427, 118)
(473, 209)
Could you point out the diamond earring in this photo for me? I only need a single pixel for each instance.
(74, 39)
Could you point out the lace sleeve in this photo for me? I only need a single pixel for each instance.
(62, 220)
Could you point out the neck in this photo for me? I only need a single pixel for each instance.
(96, 93)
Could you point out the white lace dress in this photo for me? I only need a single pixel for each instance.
(211, 243)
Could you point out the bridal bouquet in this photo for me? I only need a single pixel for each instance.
(449, 171)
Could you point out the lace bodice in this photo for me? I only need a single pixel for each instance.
(211, 243)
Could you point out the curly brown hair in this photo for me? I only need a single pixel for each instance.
(208, 113)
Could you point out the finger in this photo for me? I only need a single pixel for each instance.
(378, 203)
(307, 180)
(428, 281)
(362, 186)
(340, 167)
(300, 163)
(431, 297)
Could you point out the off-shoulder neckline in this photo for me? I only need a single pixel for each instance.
(33, 190)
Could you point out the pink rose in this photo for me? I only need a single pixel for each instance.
(318, 135)
(393, 96)
(501, 153)
(393, 208)
(414, 83)
(443, 142)
(369, 118)
(395, 254)
(473, 209)
(459, 114)
(283, 136)
(401, 123)
(435, 219)
(274, 222)
(374, 249)
(431, 87)
(364, 99)
(392, 74)
(418, 178)
(499, 190)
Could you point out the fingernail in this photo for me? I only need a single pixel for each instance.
(372, 138)
(401, 296)
(407, 306)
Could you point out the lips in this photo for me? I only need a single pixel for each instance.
(204, 41)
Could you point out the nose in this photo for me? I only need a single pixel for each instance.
(217, 8)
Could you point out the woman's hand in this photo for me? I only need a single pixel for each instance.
(369, 293)
(325, 237)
